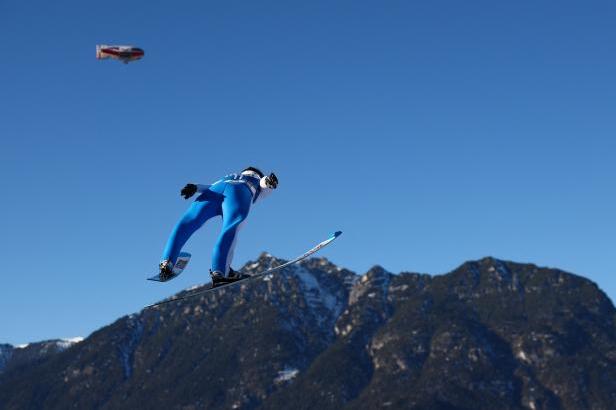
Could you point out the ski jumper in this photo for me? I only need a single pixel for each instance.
(230, 197)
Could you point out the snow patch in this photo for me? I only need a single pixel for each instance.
(324, 305)
(343, 331)
(314, 294)
(351, 280)
(64, 344)
(127, 349)
(286, 375)
(522, 356)
(502, 269)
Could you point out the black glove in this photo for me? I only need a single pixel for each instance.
(271, 181)
(188, 191)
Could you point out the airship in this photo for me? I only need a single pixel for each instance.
(126, 54)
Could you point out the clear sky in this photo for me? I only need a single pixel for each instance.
(430, 132)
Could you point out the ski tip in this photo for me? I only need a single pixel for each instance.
(337, 234)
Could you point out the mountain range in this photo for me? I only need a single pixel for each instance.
(491, 334)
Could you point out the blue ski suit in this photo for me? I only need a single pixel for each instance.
(230, 197)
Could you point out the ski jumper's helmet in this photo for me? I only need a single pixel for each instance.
(256, 170)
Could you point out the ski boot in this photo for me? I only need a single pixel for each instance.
(235, 275)
(218, 279)
(166, 270)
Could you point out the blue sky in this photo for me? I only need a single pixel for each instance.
(431, 133)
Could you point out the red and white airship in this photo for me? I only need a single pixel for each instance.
(126, 54)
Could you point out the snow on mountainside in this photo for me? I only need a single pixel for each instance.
(11, 356)
(54, 344)
(66, 343)
(490, 334)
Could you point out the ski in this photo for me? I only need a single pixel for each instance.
(315, 249)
